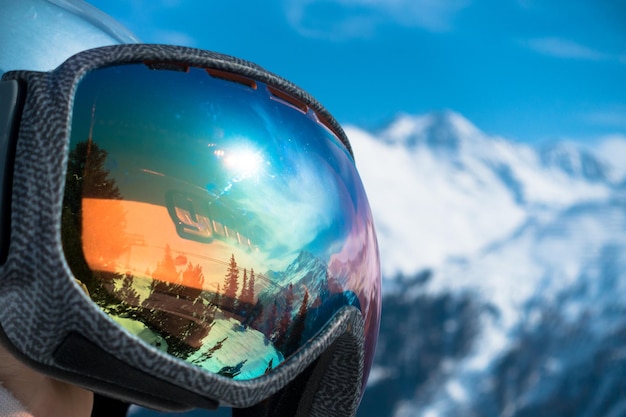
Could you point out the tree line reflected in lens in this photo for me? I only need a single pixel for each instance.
(214, 220)
(234, 321)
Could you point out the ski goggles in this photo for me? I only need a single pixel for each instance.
(181, 229)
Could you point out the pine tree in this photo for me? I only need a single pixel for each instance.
(231, 284)
(166, 268)
(295, 334)
(127, 293)
(86, 177)
(247, 288)
(88, 180)
(96, 180)
(244, 288)
(251, 286)
(193, 281)
(216, 300)
(285, 317)
(270, 322)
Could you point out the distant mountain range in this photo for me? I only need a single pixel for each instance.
(504, 272)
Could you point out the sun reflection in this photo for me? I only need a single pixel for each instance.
(243, 163)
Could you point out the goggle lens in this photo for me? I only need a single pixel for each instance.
(213, 216)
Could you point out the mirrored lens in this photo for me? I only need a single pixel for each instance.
(214, 217)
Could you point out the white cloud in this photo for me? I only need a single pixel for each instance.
(614, 118)
(563, 48)
(344, 19)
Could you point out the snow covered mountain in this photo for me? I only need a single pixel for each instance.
(441, 188)
(505, 269)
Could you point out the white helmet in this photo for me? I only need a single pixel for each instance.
(41, 34)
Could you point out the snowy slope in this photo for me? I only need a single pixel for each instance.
(612, 150)
(574, 264)
(505, 272)
(441, 188)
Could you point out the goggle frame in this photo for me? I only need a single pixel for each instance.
(49, 321)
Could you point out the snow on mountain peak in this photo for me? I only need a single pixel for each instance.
(441, 188)
(509, 257)
(438, 130)
(575, 161)
(612, 150)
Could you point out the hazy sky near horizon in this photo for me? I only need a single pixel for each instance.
(528, 70)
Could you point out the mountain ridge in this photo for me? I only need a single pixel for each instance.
(523, 317)
(473, 190)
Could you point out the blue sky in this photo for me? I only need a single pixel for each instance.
(529, 70)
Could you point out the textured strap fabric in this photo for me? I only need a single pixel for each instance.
(11, 407)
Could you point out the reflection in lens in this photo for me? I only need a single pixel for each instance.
(215, 221)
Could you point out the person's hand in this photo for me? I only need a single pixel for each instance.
(42, 396)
